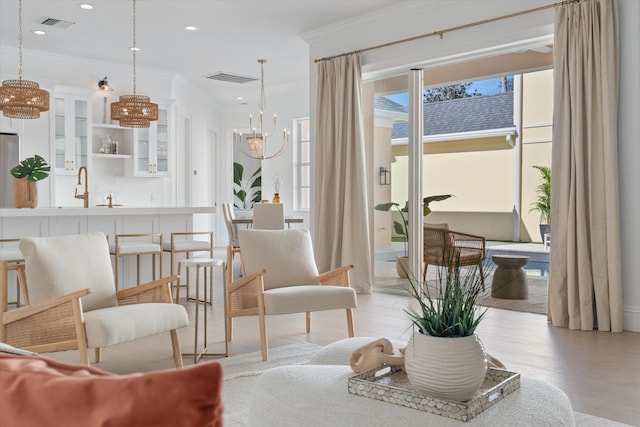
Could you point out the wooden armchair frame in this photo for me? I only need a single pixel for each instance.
(58, 324)
(442, 245)
(245, 297)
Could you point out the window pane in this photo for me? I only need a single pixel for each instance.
(305, 196)
(305, 176)
(303, 167)
(305, 130)
(305, 152)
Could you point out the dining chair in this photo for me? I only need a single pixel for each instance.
(268, 216)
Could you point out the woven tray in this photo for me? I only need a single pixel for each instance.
(390, 384)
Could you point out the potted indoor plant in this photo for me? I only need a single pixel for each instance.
(543, 202)
(26, 174)
(444, 357)
(247, 191)
(401, 227)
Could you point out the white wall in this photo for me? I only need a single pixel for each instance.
(503, 36)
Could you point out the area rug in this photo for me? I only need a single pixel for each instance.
(240, 373)
(535, 303)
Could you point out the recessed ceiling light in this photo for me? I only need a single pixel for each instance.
(191, 28)
(134, 48)
(239, 98)
(86, 6)
(39, 32)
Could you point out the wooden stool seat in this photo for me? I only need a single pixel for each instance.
(13, 257)
(184, 242)
(136, 245)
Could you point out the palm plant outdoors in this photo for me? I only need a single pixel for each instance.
(401, 227)
(543, 202)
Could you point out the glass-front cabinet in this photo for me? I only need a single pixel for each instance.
(72, 129)
(151, 147)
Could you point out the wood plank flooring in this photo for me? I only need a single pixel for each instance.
(599, 371)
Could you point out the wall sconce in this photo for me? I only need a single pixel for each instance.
(104, 84)
(385, 176)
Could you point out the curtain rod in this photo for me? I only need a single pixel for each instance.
(441, 33)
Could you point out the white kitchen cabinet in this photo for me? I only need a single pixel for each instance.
(71, 129)
(152, 145)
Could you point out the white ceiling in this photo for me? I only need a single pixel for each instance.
(231, 35)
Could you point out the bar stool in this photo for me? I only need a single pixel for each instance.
(207, 265)
(137, 245)
(184, 242)
(13, 257)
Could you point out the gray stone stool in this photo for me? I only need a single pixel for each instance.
(510, 279)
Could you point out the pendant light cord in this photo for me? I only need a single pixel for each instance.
(20, 40)
(263, 99)
(134, 47)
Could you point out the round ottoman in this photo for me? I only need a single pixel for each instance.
(317, 395)
(509, 279)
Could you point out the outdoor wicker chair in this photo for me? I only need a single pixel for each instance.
(444, 247)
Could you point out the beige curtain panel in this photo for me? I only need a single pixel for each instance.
(585, 286)
(341, 219)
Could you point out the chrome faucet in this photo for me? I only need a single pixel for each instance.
(84, 196)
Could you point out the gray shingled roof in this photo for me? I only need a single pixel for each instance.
(459, 115)
(383, 103)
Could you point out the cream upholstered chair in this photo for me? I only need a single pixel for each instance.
(268, 216)
(444, 246)
(73, 303)
(232, 231)
(281, 277)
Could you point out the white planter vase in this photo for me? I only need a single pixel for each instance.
(402, 266)
(449, 368)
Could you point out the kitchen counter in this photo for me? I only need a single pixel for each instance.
(104, 211)
(42, 222)
(17, 223)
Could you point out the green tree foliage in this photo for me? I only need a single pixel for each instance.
(445, 93)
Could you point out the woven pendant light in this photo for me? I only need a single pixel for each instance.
(22, 99)
(134, 111)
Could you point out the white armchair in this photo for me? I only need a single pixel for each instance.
(281, 277)
(73, 303)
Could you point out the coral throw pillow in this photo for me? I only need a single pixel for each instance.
(36, 391)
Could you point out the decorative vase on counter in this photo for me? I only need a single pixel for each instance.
(25, 193)
(446, 367)
(276, 198)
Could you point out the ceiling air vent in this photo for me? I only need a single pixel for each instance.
(231, 78)
(58, 23)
